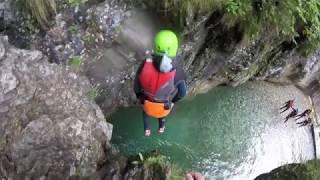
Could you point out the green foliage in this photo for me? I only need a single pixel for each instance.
(94, 92)
(154, 160)
(41, 11)
(282, 17)
(236, 8)
(177, 173)
(74, 3)
(73, 29)
(30, 24)
(161, 161)
(75, 61)
(92, 31)
(191, 6)
(313, 167)
(309, 12)
(89, 40)
(157, 160)
(92, 24)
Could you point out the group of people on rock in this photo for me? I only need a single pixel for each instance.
(295, 113)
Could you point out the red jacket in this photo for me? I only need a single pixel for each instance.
(157, 86)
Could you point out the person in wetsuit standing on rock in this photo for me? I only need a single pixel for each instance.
(160, 80)
(287, 105)
(305, 122)
(293, 114)
(305, 113)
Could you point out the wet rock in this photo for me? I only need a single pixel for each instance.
(49, 128)
(311, 69)
(6, 13)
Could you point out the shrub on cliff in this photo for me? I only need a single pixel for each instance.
(41, 11)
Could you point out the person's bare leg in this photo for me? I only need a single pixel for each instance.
(162, 126)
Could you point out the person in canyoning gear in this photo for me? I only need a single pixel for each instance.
(160, 80)
(305, 113)
(287, 105)
(293, 114)
(305, 122)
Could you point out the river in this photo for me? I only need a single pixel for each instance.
(228, 133)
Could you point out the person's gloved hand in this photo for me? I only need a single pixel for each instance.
(148, 54)
(168, 105)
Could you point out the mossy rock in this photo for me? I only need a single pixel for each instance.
(153, 165)
(75, 61)
(307, 171)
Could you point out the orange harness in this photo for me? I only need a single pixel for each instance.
(155, 110)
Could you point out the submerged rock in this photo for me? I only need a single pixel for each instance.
(49, 128)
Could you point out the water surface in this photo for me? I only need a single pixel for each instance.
(228, 133)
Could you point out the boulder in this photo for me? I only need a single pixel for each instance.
(49, 126)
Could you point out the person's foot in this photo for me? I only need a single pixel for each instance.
(147, 132)
(161, 130)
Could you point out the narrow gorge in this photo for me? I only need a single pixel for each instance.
(68, 109)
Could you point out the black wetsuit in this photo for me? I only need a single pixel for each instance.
(304, 123)
(304, 114)
(293, 113)
(286, 106)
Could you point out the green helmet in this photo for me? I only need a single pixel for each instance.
(166, 42)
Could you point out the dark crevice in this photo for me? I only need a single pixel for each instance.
(257, 6)
(220, 36)
(16, 38)
(298, 40)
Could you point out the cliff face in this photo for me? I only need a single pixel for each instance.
(216, 53)
(49, 127)
(110, 38)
